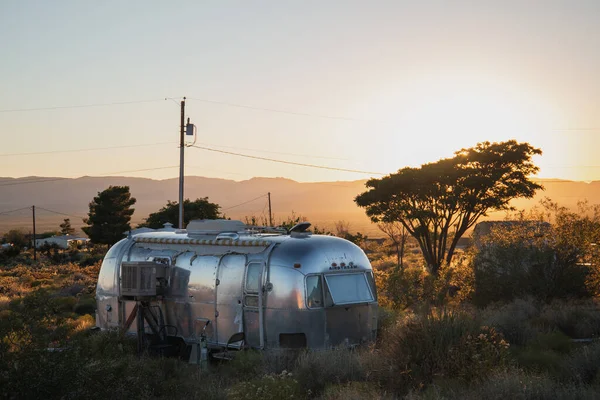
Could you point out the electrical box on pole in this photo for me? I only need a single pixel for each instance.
(190, 129)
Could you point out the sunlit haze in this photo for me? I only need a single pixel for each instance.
(362, 85)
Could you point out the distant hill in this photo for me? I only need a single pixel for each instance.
(323, 203)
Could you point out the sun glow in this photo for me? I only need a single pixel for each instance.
(434, 118)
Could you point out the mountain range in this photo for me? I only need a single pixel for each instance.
(322, 203)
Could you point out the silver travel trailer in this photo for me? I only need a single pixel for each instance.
(219, 278)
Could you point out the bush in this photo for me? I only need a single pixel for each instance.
(65, 303)
(446, 345)
(353, 391)
(513, 320)
(317, 369)
(85, 306)
(583, 366)
(555, 341)
(275, 361)
(516, 384)
(534, 258)
(575, 320)
(268, 387)
(540, 360)
(245, 365)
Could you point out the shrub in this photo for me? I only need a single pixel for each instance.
(268, 387)
(446, 345)
(85, 306)
(513, 320)
(354, 391)
(65, 303)
(575, 320)
(516, 384)
(275, 361)
(582, 366)
(535, 258)
(539, 360)
(556, 341)
(317, 369)
(245, 365)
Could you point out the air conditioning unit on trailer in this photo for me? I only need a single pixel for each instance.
(142, 278)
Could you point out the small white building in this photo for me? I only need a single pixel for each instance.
(63, 242)
(167, 227)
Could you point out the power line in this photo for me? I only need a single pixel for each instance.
(12, 211)
(56, 212)
(575, 129)
(214, 170)
(229, 104)
(105, 173)
(116, 103)
(288, 162)
(274, 152)
(305, 114)
(246, 202)
(85, 149)
(274, 110)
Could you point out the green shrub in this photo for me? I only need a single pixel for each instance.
(65, 303)
(556, 341)
(354, 391)
(268, 387)
(85, 306)
(583, 365)
(386, 318)
(513, 320)
(447, 345)
(532, 258)
(575, 320)
(274, 361)
(245, 365)
(517, 384)
(539, 360)
(317, 369)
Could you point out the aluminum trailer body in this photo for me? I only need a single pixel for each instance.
(282, 290)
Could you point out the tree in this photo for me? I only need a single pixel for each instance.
(17, 238)
(438, 202)
(197, 209)
(109, 215)
(66, 228)
(398, 234)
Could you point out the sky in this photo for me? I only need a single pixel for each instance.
(369, 86)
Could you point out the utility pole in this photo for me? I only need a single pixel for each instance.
(270, 213)
(34, 244)
(181, 152)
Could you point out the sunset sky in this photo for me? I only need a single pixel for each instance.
(363, 85)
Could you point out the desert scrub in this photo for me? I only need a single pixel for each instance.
(517, 384)
(273, 386)
(354, 391)
(514, 320)
(583, 366)
(575, 319)
(245, 365)
(446, 345)
(317, 369)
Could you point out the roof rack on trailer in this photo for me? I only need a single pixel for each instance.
(251, 229)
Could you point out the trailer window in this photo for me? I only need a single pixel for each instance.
(252, 276)
(371, 280)
(314, 291)
(349, 288)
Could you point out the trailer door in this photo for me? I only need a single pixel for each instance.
(253, 303)
(228, 313)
